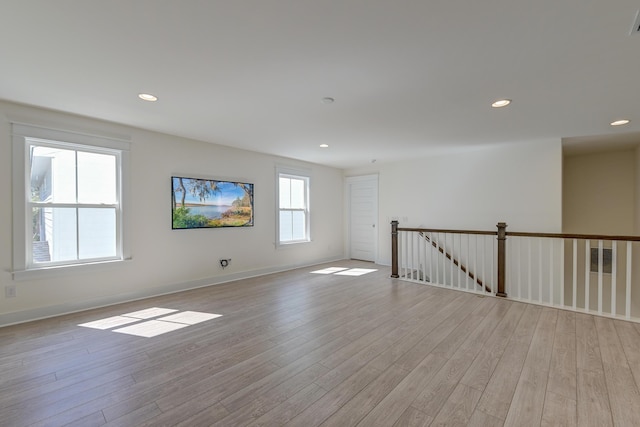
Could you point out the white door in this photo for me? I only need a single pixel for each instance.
(363, 217)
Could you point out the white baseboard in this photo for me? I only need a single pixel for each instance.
(8, 319)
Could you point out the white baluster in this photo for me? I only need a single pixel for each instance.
(438, 258)
(614, 276)
(519, 240)
(493, 265)
(628, 299)
(600, 274)
(551, 278)
(468, 264)
(476, 273)
(587, 274)
(540, 270)
(430, 256)
(529, 269)
(562, 272)
(451, 252)
(575, 273)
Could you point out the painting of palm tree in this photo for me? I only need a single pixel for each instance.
(208, 203)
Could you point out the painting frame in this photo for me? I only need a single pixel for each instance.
(210, 203)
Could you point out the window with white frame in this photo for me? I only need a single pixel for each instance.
(293, 208)
(68, 199)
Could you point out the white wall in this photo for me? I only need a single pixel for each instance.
(166, 260)
(520, 184)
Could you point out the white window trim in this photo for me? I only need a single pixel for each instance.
(21, 134)
(293, 173)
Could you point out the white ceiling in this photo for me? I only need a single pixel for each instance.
(410, 77)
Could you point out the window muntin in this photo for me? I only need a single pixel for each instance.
(73, 194)
(293, 215)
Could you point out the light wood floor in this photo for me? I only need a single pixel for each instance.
(303, 349)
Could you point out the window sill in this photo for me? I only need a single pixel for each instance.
(65, 270)
(282, 245)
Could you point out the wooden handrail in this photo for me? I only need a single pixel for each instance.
(573, 236)
(525, 234)
(439, 230)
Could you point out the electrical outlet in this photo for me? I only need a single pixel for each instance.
(10, 291)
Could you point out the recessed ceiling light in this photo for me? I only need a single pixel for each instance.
(324, 145)
(147, 97)
(501, 103)
(620, 122)
(328, 100)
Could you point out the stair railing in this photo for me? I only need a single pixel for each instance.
(597, 274)
(450, 258)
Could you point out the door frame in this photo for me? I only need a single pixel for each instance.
(347, 202)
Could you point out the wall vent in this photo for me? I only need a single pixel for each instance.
(636, 24)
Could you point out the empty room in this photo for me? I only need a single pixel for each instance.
(329, 213)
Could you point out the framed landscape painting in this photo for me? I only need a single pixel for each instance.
(208, 203)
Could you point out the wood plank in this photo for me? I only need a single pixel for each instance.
(288, 409)
(459, 407)
(482, 419)
(498, 393)
(437, 391)
(559, 411)
(562, 372)
(196, 412)
(323, 408)
(593, 400)
(445, 339)
(587, 345)
(363, 402)
(92, 420)
(412, 417)
(436, 324)
(75, 408)
(214, 390)
(630, 340)
(254, 405)
(347, 368)
(396, 403)
(136, 417)
(31, 411)
(483, 366)
(528, 399)
(354, 347)
(623, 391)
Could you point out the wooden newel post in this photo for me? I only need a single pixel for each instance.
(394, 249)
(502, 258)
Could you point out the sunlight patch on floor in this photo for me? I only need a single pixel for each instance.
(109, 322)
(190, 317)
(150, 328)
(150, 312)
(329, 270)
(345, 271)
